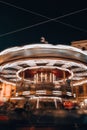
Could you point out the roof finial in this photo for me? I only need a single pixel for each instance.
(43, 40)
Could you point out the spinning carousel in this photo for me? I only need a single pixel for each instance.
(44, 70)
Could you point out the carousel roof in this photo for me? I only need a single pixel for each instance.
(34, 56)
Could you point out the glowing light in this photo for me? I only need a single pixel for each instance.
(14, 66)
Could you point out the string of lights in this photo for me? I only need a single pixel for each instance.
(43, 22)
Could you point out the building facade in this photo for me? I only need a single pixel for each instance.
(82, 44)
(81, 90)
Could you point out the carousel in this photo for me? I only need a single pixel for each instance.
(43, 71)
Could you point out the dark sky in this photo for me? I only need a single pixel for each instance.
(12, 19)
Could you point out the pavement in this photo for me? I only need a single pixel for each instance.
(43, 119)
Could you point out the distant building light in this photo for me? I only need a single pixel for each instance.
(16, 94)
(26, 93)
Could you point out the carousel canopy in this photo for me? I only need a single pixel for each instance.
(15, 60)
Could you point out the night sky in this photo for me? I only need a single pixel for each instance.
(19, 16)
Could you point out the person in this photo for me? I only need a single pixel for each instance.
(27, 106)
